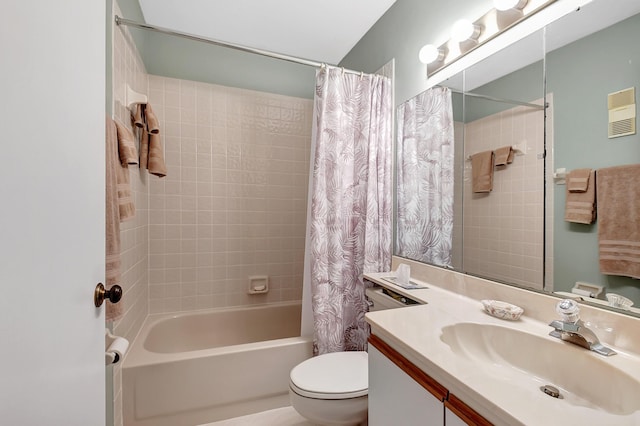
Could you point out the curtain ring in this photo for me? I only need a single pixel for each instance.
(361, 74)
(342, 70)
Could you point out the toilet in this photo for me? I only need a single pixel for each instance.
(331, 389)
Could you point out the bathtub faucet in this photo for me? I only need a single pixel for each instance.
(571, 329)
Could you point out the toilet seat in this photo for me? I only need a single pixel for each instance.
(338, 375)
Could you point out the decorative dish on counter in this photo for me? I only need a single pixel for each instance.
(502, 310)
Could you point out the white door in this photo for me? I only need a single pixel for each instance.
(52, 98)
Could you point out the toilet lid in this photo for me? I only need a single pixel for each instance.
(338, 375)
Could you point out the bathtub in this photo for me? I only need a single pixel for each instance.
(197, 368)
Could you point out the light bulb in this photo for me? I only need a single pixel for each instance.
(429, 53)
(509, 4)
(463, 30)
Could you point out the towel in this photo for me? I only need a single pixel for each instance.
(580, 207)
(578, 180)
(153, 126)
(504, 156)
(112, 228)
(144, 149)
(138, 116)
(482, 165)
(128, 155)
(126, 145)
(156, 156)
(619, 229)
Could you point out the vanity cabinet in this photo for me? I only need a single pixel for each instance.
(402, 394)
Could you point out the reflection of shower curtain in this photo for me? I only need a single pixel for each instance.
(425, 177)
(350, 220)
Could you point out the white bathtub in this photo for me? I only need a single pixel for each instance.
(191, 369)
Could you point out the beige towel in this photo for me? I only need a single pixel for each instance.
(578, 180)
(112, 266)
(128, 155)
(504, 156)
(126, 145)
(482, 165)
(153, 126)
(580, 206)
(138, 116)
(619, 227)
(144, 149)
(156, 156)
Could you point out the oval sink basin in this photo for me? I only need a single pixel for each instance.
(524, 359)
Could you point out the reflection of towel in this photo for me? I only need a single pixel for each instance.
(578, 180)
(112, 264)
(156, 156)
(504, 156)
(619, 228)
(580, 206)
(482, 165)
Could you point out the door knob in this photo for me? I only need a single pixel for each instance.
(114, 294)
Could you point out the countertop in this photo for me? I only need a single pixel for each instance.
(415, 332)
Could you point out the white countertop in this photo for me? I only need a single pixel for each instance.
(415, 332)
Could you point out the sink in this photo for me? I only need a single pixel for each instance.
(523, 359)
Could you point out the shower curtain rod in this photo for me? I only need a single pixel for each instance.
(505, 101)
(268, 54)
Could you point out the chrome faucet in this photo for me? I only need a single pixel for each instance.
(571, 329)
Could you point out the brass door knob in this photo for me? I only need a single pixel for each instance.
(114, 294)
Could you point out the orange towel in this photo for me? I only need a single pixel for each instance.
(619, 217)
(580, 207)
(482, 165)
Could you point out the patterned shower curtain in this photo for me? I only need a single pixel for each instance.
(350, 219)
(425, 177)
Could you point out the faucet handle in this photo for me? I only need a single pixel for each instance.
(568, 310)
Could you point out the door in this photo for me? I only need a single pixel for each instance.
(52, 97)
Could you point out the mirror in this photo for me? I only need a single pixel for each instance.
(500, 235)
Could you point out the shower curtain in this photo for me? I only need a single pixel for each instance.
(350, 218)
(425, 177)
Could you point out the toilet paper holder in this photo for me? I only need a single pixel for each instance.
(116, 348)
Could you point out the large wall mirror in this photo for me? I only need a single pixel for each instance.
(517, 233)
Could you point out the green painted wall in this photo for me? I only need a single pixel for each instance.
(580, 76)
(402, 31)
(171, 56)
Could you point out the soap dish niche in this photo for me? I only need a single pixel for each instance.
(258, 284)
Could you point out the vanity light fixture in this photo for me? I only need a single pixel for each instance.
(467, 35)
(464, 30)
(430, 53)
(503, 5)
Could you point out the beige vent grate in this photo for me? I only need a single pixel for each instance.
(622, 113)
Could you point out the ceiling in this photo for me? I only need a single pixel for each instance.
(321, 31)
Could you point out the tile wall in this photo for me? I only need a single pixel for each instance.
(502, 237)
(233, 204)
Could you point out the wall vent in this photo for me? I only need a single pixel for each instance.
(622, 113)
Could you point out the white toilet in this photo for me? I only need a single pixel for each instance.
(331, 389)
